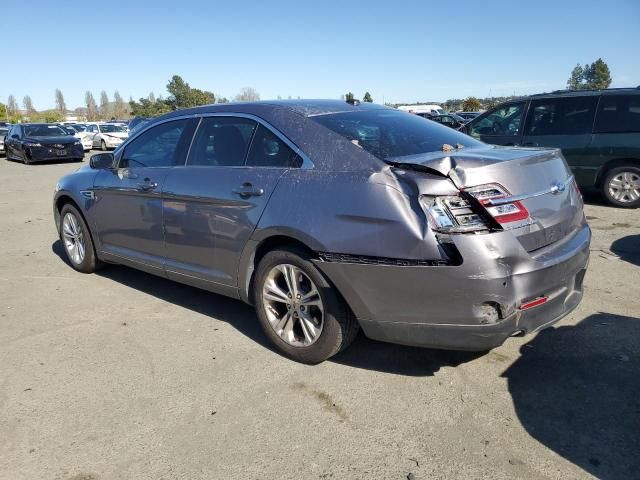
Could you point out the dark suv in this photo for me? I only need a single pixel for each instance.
(597, 130)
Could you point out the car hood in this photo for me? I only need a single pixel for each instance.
(116, 134)
(62, 139)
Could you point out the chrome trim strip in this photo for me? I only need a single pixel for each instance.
(557, 188)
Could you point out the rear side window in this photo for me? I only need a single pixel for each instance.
(267, 150)
(157, 147)
(504, 121)
(561, 116)
(221, 142)
(618, 114)
(387, 133)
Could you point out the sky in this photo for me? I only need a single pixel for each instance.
(400, 51)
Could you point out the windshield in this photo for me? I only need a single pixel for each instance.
(393, 133)
(79, 128)
(43, 131)
(108, 128)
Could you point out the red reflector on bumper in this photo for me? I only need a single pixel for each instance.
(533, 303)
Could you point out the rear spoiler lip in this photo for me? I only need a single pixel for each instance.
(554, 189)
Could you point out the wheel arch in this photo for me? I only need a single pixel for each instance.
(614, 163)
(64, 199)
(256, 250)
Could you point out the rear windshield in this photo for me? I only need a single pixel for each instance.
(393, 133)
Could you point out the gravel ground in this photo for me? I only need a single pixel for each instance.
(123, 375)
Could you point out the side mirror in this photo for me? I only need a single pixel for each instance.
(101, 161)
(16, 136)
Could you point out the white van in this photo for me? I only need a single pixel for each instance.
(431, 109)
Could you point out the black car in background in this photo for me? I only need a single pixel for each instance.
(597, 130)
(449, 119)
(37, 142)
(3, 134)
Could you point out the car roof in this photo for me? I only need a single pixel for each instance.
(586, 93)
(305, 108)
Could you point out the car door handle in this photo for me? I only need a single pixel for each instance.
(248, 190)
(147, 186)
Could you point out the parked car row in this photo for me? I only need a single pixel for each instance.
(34, 142)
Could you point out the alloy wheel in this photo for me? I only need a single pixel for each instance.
(293, 305)
(73, 238)
(625, 187)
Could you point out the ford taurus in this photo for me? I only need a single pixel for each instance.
(329, 217)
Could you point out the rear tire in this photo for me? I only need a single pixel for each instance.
(76, 240)
(308, 327)
(621, 186)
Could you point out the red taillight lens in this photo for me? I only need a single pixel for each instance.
(503, 213)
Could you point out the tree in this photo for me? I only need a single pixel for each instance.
(120, 109)
(145, 108)
(60, 105)
(27, 103)
(349, 97)
(576, 77)
(471, 104)
(247, 94)
(598, 75)
(367, 97)
(594, 76)
(183, 96)
(12, 105)
(104, 105)
(92, 107)
(4, 113)
(151, 97)
(221, 99)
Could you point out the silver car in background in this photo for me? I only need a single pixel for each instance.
(329, 217)
(106, 136)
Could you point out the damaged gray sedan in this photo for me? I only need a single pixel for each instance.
(329, 217)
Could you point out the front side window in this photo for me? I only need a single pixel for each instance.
(618, 114)
(267, 150)
(388, 133)
(503, 121)
(221, 142)
(561, 116)
(157, 147)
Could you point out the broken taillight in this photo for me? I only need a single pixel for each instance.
(502, 212)
(452, 214)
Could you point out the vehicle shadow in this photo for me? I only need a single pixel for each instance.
(628, 248)
(576, 389)
(592, 197)
(234, 312)
(363, 353)
(45, 162)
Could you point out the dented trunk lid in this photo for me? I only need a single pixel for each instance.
(539, 178)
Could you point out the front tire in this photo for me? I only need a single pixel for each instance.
(299, 310)
(103, 146)
(76, 240)
(621, 186)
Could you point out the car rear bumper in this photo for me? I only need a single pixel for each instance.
(473, 306)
